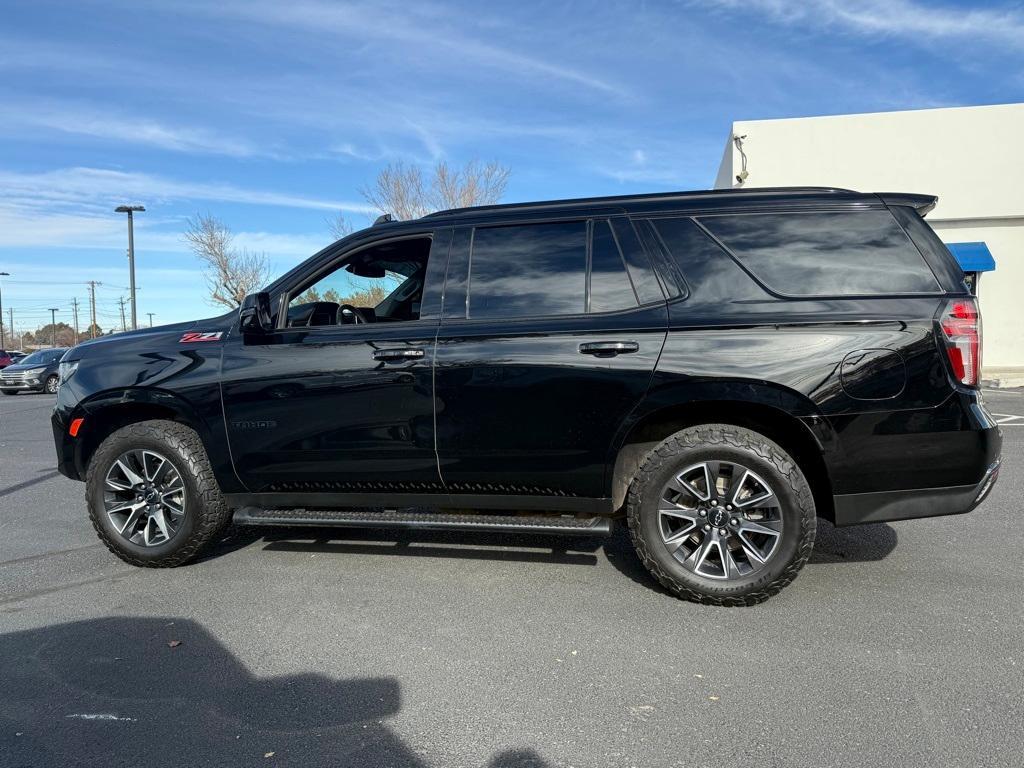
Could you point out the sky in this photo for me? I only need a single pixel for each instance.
(273, 115)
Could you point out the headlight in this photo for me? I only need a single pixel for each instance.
(35, 371)
(66, 370)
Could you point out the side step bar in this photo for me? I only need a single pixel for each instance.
(334, 518)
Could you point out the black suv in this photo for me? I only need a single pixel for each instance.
(37, 372)
(717, 368)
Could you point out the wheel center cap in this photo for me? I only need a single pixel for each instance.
(718, 517)
(152, 497)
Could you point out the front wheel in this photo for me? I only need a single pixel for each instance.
(52, 382)
(152, 496)
(9, 391)
(722, 515)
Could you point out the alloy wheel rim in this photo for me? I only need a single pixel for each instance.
(51, 385)
(720, 520)
(144, 497)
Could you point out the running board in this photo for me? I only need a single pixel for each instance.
(555, 524)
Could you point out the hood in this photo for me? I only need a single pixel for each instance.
(156, 336)
(19, 367)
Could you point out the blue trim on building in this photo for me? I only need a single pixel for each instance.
(973, 257)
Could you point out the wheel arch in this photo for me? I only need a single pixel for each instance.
(807, 437)
(109, 411)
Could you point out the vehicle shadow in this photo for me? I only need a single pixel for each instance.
(164, 691)
(864, 543)
(474, 545)
(856, 544)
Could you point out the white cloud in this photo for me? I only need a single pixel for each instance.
(109, 126)
(895, 18)
(417, 27)
(101, 188)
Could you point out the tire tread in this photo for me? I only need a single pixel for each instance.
(736, 437)
(210, 508)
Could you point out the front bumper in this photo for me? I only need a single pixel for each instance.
(886, 506)
(21, 383)
(65, 445)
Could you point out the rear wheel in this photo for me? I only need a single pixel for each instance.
(152, 496)
(720, 514)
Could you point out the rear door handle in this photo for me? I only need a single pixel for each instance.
(397, 354)
(608, 348)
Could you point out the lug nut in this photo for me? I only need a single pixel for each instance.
(723, 532)
(728, 506)
(734, 521)
(703, 513)
(714, 503)
(707, 527)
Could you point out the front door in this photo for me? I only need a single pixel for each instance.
(339, 399)
(549, 339)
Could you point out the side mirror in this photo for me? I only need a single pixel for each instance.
(254, 316)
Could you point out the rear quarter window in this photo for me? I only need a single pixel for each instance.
(825, 254)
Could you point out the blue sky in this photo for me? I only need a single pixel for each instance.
(271, 115)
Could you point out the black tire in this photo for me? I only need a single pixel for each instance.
(206, 514)
(51, 384)
(9, 391)
(722, 442)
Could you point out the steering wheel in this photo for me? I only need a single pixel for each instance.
(357, 313)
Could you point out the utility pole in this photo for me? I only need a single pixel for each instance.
(129, 209)
(121, 302)
(53, 326)
(2, 274)
(92, 306)
(74, 308)
(10, 314)
(151, 318)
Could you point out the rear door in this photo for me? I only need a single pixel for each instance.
(549, 337)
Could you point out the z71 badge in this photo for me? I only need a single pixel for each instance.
(200, 336)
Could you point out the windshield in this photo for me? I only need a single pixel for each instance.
(43, 357)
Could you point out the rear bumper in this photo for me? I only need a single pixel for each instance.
(885, 506)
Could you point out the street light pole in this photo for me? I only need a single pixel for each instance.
(53, 326)
(130, 209)
(3, 274)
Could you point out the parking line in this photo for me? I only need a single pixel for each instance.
(1009, 420)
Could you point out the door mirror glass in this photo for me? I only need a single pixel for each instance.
(254, 315)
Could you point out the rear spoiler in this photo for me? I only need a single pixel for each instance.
(923, 204)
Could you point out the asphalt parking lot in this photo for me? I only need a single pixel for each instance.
(899, 644)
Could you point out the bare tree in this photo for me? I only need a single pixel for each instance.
(230, 274)
(403, 191)
(339, 226)
(475, 183)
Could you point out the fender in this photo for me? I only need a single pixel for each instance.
(673, 397)
(668, 393)
(201, 411)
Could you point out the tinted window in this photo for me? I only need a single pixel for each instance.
(534, 269)
(826, 254)
(708, 270)
(610, 288)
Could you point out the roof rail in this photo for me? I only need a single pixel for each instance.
(613, 199)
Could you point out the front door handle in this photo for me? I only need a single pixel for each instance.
(397, 354)
(608, 348)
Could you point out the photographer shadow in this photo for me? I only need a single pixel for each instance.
(164, 691)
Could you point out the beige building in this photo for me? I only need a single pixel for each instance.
(971, 157)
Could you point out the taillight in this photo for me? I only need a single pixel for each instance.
(961, 329)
